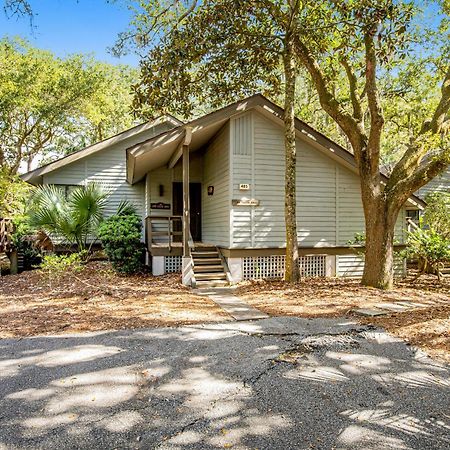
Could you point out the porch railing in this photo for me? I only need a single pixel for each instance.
(6, 230)
(411, 225)
(166, 228)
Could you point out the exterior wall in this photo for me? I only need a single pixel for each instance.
(215, 208)
(439, 184)
(353, 266)
(329, 207)
(108, 168)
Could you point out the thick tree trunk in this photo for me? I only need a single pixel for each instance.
(292, 273)
(379, 255)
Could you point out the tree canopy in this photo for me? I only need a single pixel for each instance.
(51, 106)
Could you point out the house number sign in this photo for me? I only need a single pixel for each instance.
(245, 202)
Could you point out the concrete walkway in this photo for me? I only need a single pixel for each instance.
(233, 305)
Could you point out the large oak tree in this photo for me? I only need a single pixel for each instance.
(217, 49)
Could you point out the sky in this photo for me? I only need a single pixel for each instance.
(72, 26)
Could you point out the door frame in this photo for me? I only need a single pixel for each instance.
(195, 188)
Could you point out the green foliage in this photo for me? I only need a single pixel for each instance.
(74, 219)
(120, 235)
(437, 213)
(430, 247)
(54, 267)
(51, 106)
(14, 194)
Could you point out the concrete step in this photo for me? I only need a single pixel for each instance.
(211, 284)
(208, 268)
(210, 276)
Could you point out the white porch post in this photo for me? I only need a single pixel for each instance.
(187, 266)
(186, 206)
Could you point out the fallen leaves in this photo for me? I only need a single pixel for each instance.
(98, 299)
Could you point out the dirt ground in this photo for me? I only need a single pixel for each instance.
(97, 299)
(427, 328)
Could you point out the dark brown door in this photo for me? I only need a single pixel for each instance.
(195, 200)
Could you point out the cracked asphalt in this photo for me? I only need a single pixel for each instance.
(278, 383)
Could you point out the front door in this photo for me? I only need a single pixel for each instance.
(195, 200)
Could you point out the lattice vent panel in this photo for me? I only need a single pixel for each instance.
(259, 267)
(172, 264)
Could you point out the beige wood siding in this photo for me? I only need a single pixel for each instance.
(216, 208)
(329, 208)
(108, 168)
(353, 266)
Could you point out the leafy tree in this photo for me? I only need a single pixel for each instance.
(50, 106)
(247, 49)
(74, 219)
(13, 195)
(222, 49)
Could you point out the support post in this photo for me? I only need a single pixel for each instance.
(186, 206)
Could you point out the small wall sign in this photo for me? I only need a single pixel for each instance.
(245, 202)
(210, 190)
(160, 205)
(244, 187)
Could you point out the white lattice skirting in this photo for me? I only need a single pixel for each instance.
(258, 267)
(172, 264)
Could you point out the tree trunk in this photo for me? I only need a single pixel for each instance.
(292, 273)
(379, 254)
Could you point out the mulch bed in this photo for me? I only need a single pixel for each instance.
(427, 328)
(98, 299)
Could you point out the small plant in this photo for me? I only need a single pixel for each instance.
(72, 220)
(54, 267)
(120, 235)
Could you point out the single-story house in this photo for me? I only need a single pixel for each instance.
(211, 193)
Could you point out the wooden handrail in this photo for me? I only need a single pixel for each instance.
(411, 224)
(169, 232)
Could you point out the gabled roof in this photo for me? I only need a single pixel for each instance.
(158, 150)
(35, 176)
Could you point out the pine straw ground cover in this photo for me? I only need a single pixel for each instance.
(97, 299)
(428, 328)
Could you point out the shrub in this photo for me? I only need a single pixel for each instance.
(431, 248)
(54, 267)
(120, 235)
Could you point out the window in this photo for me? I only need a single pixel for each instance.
(67, 188)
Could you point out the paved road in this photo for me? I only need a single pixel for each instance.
(283, 383)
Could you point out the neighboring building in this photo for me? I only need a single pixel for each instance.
(230, 165)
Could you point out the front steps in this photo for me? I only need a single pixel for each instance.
(208, 268)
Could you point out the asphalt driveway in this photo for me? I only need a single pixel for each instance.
(279, 383)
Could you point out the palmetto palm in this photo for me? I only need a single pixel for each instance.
(73, 219)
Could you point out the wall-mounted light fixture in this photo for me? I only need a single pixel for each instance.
(161, 190)
(210, 190)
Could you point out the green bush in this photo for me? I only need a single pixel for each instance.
(431, 248)
(120, 235)
(54, 267)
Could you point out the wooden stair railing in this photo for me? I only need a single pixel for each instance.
(165, 229)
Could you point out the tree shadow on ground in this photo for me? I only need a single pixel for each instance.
(272, 384)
